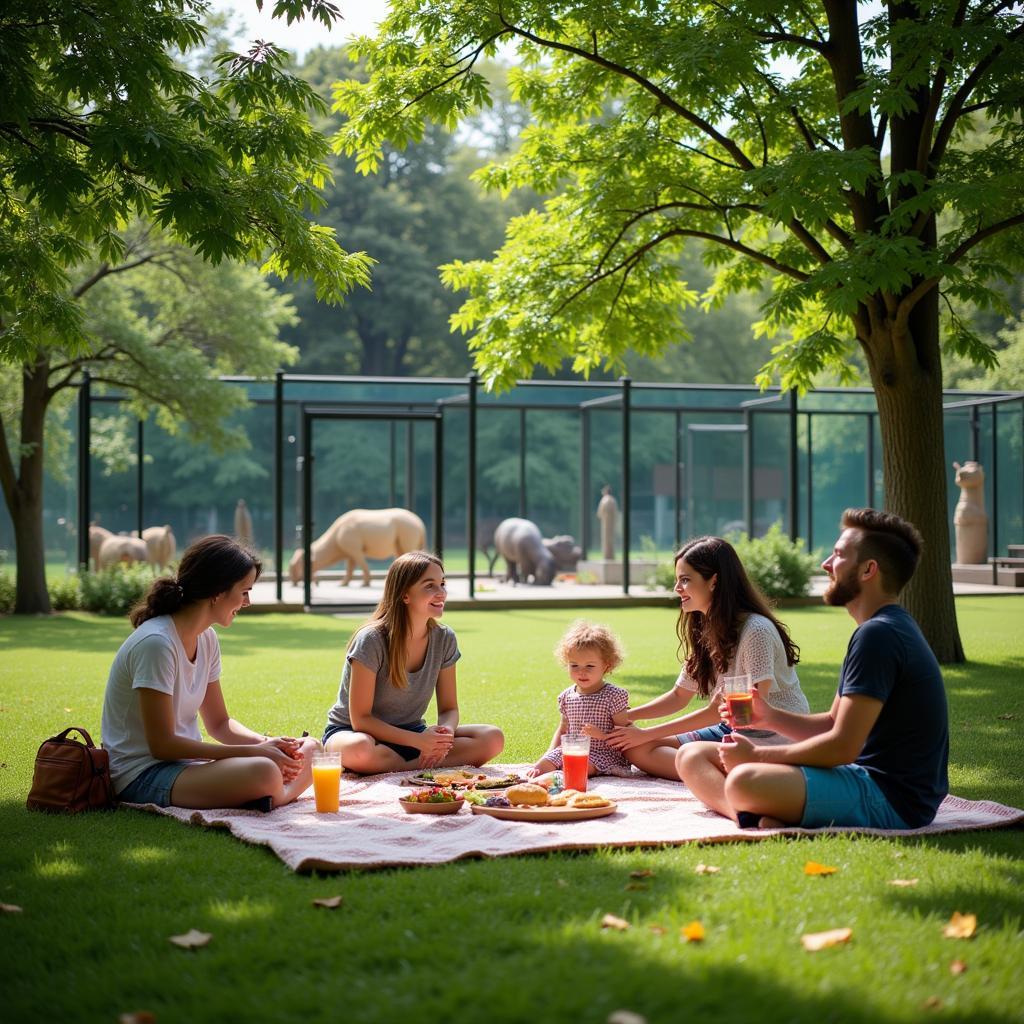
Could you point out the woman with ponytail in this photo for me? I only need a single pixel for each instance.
(167, 674)
(725, 628)
(394, 667)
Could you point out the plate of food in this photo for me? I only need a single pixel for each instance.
(530, 802)
(447, 778)
(463, 778)
(436, 800)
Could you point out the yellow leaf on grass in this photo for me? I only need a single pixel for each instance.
(328, 902)
(611, 921)
(903, 883)
(822, 940)
(192, 939)
(957, 967)
(642, 873)
(932, 1003)
(706, 869)
(961, 926)
(9, 908)
(692, 932)
(812, 867)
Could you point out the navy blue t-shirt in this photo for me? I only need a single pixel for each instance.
(907, 750)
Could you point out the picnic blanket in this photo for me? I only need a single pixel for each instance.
(372, 831)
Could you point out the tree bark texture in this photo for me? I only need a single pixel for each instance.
(26, 509)
(913, 458)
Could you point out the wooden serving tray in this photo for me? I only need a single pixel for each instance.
(545, 813)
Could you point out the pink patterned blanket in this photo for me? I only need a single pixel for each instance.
(372, 830)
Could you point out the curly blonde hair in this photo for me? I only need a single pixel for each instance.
(582, 634)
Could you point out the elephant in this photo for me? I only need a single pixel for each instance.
(359, 534)
(565, 551)
(519, 542)
(122, 549)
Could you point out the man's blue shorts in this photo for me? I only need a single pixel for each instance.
(846, 795)
(154, 785)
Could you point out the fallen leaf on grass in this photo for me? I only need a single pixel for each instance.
(932, 1003)
(903, 883)
(641, 873)
(9, 908)
(812, 867)
(636, 887)
(961, 926)
(192, 939)
(706, 869)
(692, 932)
(626, 1017)
(328, 903)
(657, 929)
(1006, 718)
(561, 883)
(611, 921)
(822, 940)
(139, 1017)
(957, 967)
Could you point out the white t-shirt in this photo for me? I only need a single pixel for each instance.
(761, 653)
(153, 658)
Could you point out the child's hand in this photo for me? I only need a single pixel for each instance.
(532, 772)
(593, 732)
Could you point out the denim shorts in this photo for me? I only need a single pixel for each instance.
(154, 785)
(404, 752)
(846, 795)
(709, 734)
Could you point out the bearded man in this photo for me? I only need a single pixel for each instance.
(878, 757)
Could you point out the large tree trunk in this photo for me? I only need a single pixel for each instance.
(909, 400)
(26, 508)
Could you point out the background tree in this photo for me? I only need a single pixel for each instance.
(809, 150)
(420, 211)
(99, 125)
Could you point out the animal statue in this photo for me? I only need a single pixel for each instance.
(565, 551)
(359, 534)
(97, 535)
(970, 519)
(608, 514)
(160, 544)
(519, 542)
(243, 522)
(122, 549)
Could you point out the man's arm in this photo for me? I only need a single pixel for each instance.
(855, 715)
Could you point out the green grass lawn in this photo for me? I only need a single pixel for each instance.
(516, 939)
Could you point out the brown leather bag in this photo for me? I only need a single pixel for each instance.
(71, 776)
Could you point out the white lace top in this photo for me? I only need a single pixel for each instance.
(761, 653)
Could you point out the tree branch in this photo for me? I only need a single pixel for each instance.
(922, 288)
(472, 58)
(956, 104)
(729, 145)
(106, 270)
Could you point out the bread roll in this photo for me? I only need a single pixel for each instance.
(527, 795)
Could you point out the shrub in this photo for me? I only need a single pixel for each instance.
(116, 589)
(777, 566)
(7, 593)
(66, 593)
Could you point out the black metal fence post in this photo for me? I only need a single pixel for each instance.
(626, 482)
(84, 444)
(471, 386)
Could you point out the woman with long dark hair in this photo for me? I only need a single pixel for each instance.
(725, 628)
(167, 675)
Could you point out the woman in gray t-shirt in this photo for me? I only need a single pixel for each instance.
(393, 667)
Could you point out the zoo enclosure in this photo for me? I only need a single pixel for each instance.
(681, 460)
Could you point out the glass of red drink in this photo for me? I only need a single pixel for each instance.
(575, 760)
(739, 699)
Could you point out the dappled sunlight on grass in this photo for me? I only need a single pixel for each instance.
(59, 867)
(241, 910)
(142, 856)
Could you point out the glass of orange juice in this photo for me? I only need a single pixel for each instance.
(739, 699)
(326, 782)
(575, 760)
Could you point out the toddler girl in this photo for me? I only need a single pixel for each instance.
(590, 706)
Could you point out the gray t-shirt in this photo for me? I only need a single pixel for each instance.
(391, 705)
